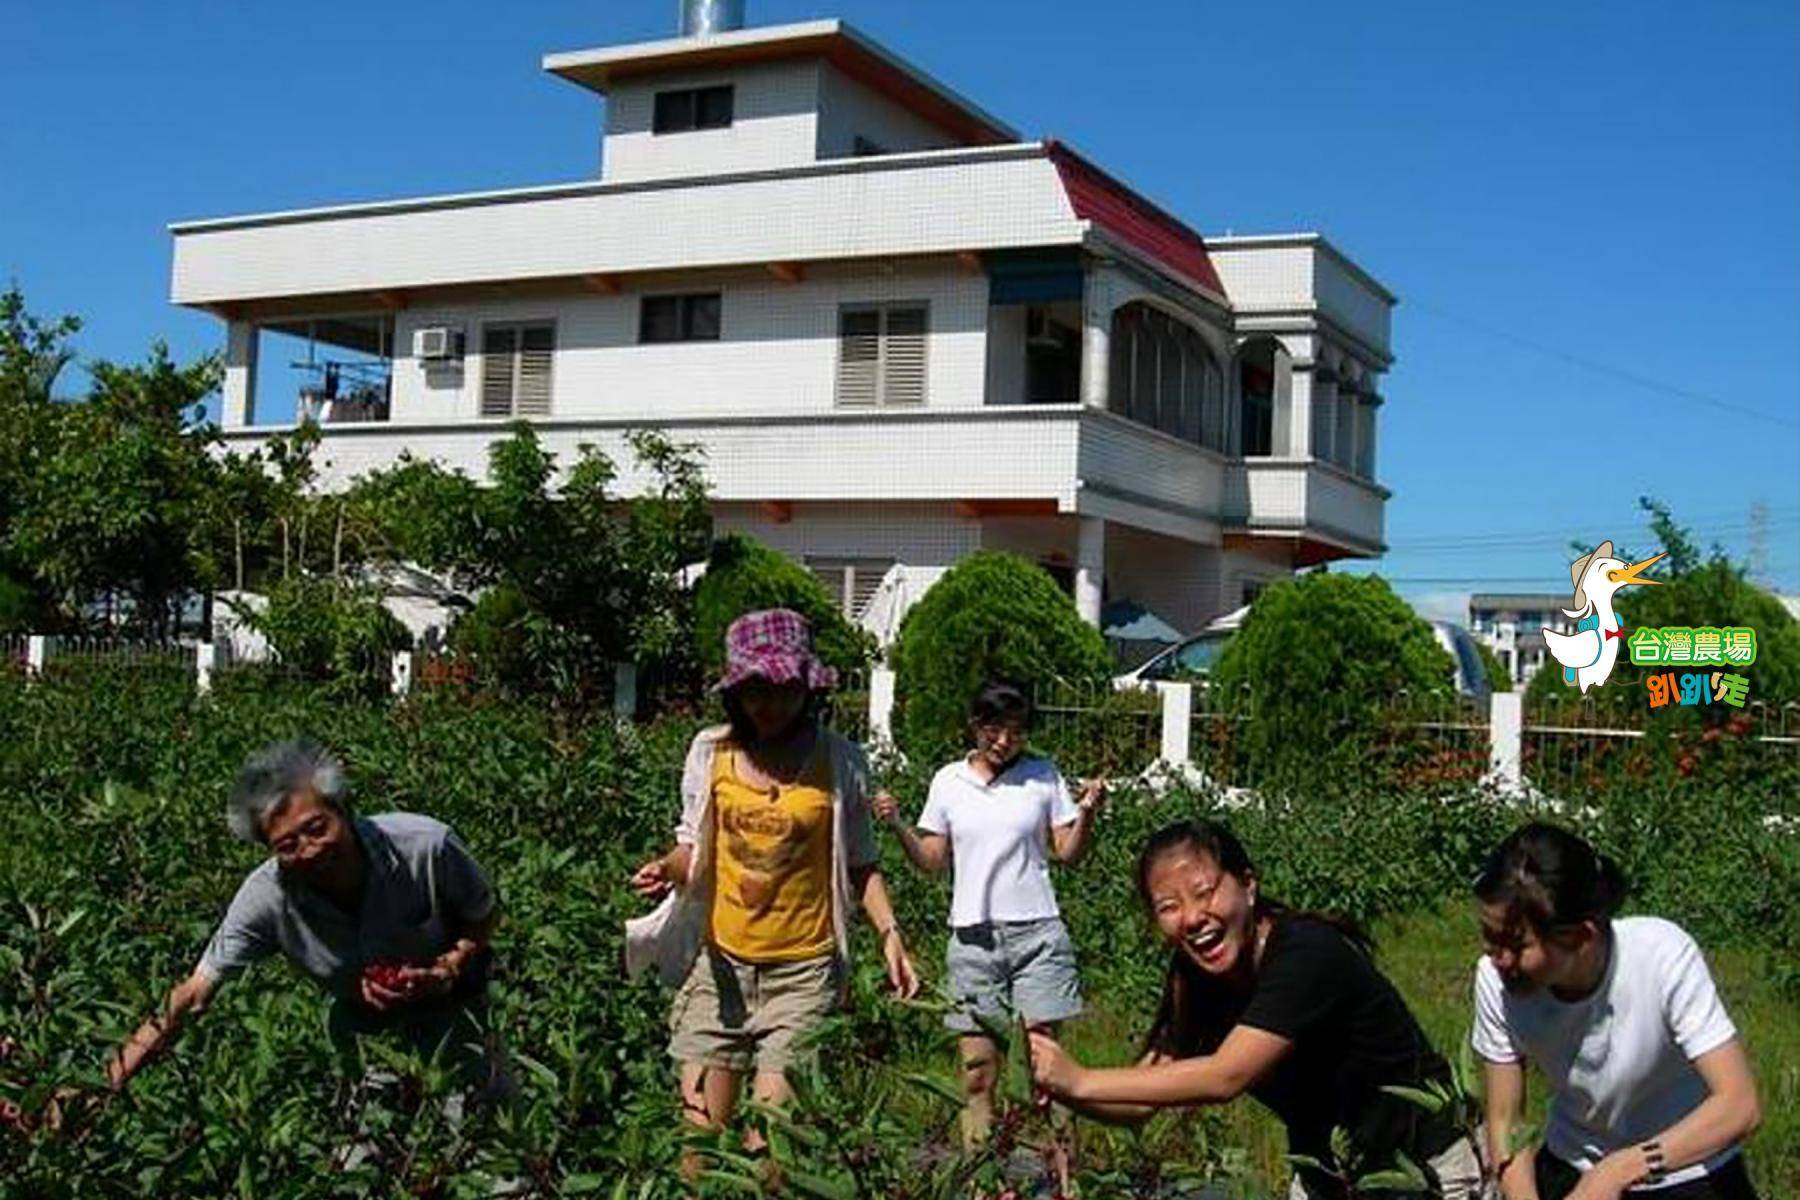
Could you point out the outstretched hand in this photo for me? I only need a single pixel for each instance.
(1051, 1067)
(885, 808)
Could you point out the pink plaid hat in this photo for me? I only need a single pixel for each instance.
(775, 644)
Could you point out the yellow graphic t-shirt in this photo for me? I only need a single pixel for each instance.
(772, 872)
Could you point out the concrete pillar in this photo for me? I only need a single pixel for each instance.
(239, 388)
(1096, 342)
(881, 707)
(1506, 725)
(1177, 722)
(206, 657)
(1293, 421)
(37, 650)
(1090, 568)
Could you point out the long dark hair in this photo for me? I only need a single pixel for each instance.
(1188, 992)
(1546, 878)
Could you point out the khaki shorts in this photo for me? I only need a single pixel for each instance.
(740, 1016)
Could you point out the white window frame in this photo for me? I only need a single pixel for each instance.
(882, 396)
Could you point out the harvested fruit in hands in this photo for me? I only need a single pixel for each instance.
(393, 976)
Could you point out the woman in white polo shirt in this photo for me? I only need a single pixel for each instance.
(1651, 1089)
(1000, 815)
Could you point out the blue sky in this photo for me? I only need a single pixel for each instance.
(1567, 199)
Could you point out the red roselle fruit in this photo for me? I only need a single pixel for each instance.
(392, 976)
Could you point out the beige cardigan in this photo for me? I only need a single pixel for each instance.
(669, 938)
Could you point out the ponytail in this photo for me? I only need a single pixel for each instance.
(1544, 877)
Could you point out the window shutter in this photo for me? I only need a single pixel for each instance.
(859, 357)
(867, 577)
(497, 355)
(537, 344)
(904, 368)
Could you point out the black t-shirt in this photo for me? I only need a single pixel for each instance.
(1352, 1034)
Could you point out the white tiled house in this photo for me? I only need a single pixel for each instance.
(900, 332)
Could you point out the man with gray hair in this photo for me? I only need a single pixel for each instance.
(390, 913)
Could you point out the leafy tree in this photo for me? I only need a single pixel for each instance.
(110, 507)
(591, 576)
(743, 575)
(33, 353)
(992, 614)
(1310, 672)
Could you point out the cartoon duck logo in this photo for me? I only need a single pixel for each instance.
(1588, 654)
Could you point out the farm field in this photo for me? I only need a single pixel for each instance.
(115, 863)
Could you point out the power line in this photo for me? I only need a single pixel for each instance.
(1711, 526)
(1600, 368)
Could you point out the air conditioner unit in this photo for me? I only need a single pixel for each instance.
(435, 342)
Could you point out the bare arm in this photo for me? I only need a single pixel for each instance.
(1730, 1113)
(871, 888)
(1245, 1056)
(191, 995)
(1118, 1113)
(1504, 1105)
(930, 852)
(1069, 842)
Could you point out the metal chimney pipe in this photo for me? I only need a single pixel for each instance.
(700, 18)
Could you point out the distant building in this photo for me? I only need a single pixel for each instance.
(1512, 625)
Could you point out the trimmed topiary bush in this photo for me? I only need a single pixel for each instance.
(1319, 663)
(991, 614)
(1497, 678)
(743, 575)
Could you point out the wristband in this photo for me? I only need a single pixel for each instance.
(1653, 1160)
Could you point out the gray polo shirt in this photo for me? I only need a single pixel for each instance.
(421, 886)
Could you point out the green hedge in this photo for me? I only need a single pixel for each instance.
(992, 614)
(743, 575)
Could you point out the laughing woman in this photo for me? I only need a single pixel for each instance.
(1651, 1089)
(1286, 1006)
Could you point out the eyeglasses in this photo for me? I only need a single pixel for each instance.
(313, 829)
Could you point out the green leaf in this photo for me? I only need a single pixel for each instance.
(1431, 1102)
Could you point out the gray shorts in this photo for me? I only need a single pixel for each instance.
(1012, 968)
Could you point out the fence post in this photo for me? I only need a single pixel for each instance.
(206, 657)
(1506, 726)
(401, 679)
(1177, 722)
(625, 699)
(36, 650)
(881, 707)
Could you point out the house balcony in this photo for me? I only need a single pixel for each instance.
(1040, 458)
(1323, 510)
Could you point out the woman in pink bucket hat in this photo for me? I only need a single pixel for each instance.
(773, 850)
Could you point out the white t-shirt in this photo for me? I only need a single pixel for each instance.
(1620, 1060)
(998, 833)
